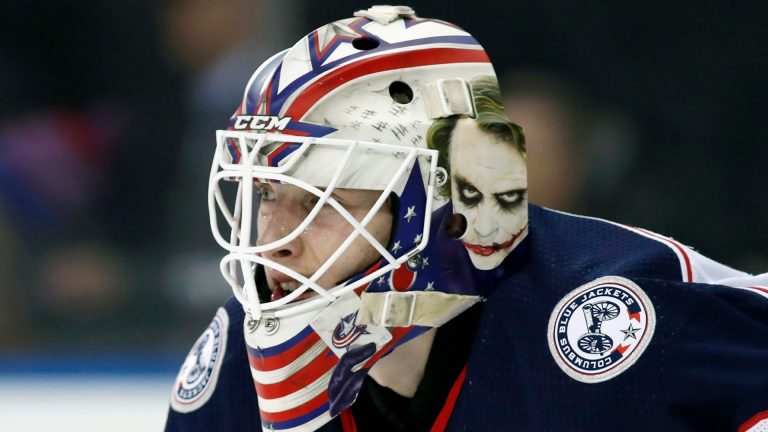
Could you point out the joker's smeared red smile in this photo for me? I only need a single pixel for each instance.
(490, 250)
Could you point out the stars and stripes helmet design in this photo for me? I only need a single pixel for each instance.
(349, 106)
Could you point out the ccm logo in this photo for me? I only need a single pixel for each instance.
(261, 122)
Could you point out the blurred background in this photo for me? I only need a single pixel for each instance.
(652, 115)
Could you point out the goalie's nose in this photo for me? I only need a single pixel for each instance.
(276, 220)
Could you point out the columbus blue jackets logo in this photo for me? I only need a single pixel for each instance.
(600, 329)
(347, 331)
(197, 377)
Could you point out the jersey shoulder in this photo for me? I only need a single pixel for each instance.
(214, 389)
(599, 247)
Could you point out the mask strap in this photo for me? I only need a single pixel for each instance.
(447, 97)
(421, 308)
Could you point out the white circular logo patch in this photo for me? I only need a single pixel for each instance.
(600, 329)
(197, 377)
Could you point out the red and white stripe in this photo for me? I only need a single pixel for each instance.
(307, 96)
(286, 391)
(758, 423)
(272, 376)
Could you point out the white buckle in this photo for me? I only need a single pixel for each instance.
(406, 296)
(447, 97)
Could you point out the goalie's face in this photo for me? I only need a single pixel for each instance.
(283, 207)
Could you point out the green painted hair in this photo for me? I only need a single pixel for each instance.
(489, 116)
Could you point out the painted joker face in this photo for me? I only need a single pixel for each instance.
(489, 187)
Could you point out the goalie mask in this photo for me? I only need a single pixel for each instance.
(367, 189)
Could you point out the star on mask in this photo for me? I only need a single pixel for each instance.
(327, 34)
(410, 214)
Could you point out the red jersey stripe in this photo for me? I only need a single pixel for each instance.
(681, 249)
(285, 358)
(450, 403)
(299, 411)
(757, 418)
(301, 379)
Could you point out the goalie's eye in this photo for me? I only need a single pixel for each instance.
(265, 191)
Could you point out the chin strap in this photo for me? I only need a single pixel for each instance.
(421, 308)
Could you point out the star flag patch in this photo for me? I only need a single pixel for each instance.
(601, 328)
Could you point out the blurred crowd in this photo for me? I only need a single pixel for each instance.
(108, 112)
(107, 121)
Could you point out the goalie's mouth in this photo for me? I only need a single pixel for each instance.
(282, 285)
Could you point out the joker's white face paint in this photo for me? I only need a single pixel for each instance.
(489, 187)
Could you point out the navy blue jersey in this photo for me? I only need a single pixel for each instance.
(704, 368)
(600, 327)
(228, 403)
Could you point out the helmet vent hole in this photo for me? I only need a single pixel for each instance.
(365, 43)
(456, 225)
(401, 92)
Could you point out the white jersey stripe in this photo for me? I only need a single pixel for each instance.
(761, 426)
(758, 423)
(762, 293)
(298, 398)
(686, 269)
(277, 375)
